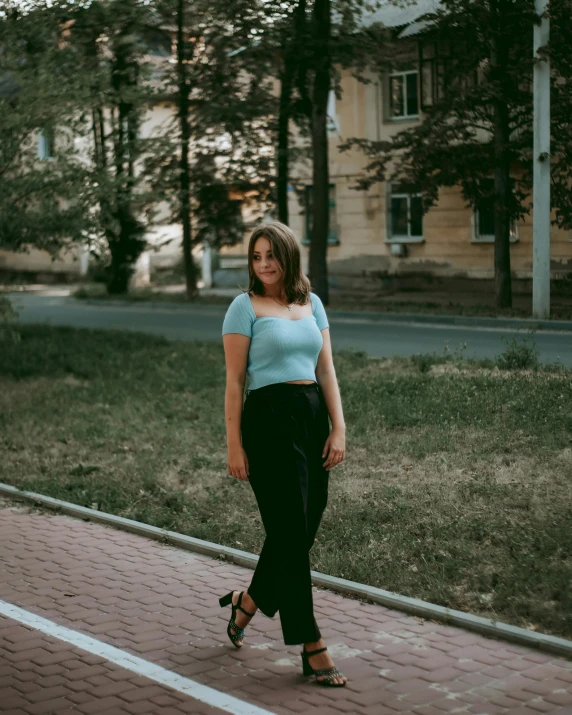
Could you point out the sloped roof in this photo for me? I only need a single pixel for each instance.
(391, 15)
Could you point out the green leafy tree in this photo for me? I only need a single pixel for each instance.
(78, 73)
(224, 92)
(40, 166)
(306, 44)
(215, 154)
(477, 122)
(559, 51)
(108, 38)
(338, 40)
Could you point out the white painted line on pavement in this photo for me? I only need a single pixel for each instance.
(133, 663)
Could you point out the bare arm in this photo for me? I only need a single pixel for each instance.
(328, 381)
(236, 353)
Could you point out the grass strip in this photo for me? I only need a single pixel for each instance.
(456, 487)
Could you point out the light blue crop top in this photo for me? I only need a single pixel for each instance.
(280, 349)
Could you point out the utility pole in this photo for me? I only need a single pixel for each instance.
(541, 174)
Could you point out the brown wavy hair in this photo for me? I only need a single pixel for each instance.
(286, 251)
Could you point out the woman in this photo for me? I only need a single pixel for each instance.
(280, 440)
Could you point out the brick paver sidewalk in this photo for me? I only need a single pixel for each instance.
(161, 604)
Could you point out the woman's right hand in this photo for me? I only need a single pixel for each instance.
(237, 463)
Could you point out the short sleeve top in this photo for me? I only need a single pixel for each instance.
(280, 349)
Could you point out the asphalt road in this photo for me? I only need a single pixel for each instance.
(379, 339)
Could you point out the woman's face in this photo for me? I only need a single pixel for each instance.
(264, 265)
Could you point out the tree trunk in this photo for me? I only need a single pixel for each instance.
(293, 59)
(102, 139)
(95, 132)
(185, 166)
(121, 268)
(283, 143)
(499, 64)
(127, 243)
(321, 211)
(120, 271)
(503, 284)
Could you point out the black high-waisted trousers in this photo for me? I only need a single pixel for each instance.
(284, 428)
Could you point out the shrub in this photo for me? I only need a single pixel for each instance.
(424, 361)
(519, 355)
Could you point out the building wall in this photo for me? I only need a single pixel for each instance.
(363, 258)
(164, 238)
(67, 266)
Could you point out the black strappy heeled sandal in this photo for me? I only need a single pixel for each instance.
(239, 634)
(330, 673)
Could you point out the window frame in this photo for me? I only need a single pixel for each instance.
(438, 73)
(402, 117)
(46, 142)
(487, 237)
(390, 237)
(332, 118)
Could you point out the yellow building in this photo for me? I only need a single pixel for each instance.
(379, 239)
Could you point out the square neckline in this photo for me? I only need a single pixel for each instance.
(276, 317)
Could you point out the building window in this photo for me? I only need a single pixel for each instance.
(433, 63)
(484, 216)
(443, 71)
(403, 95)
(333, 123)
(333, 238)
(46, 143)
(405, 214)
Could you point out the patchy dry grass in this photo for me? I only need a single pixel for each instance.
(457, 484)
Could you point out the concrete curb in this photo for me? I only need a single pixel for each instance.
(526, 324)
(414, 606)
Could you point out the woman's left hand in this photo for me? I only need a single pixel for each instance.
(336, 445)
